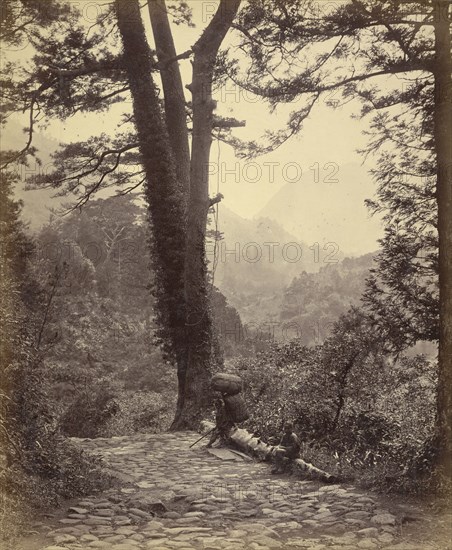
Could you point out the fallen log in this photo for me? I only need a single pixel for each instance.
(254, 446)
(251, 444)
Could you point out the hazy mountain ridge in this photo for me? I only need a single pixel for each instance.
(255, 261)
(308, 208)
(37, 202)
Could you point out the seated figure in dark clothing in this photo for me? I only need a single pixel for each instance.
(287, 450)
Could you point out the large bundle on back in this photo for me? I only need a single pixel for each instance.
(228, 384)
(236, 407)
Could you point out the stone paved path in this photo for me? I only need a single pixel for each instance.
(174, 497)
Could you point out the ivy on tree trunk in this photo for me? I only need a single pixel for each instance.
(162, 192)
(179, 201)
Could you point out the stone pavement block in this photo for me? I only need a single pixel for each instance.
(335, 528)
(67, 521)
(76, 531)
(125, 546)
(405, 546)
(123, 522)
(367, 544)
(115, 538)
(101, 530)
(330, 488)
(62, 539)
(171, 515)
(157, 543)
(79, 511)
(358, 514)
(267, 542)
(97, 521)
(369, 532)
(79, 517)
(103, 513)
(386, 538)
(384, 519)
(154, 525)
(305, 544)
(125, 531)
(88, 538)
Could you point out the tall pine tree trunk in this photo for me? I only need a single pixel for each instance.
(443, 146)
(162, 189)
(177, 188)
(176, 124)
(200, 330)
(173, 92)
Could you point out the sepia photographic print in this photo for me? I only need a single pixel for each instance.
(226, 291)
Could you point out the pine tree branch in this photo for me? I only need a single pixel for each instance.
(114, 65)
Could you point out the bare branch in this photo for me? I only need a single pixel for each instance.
(185, 55)
(214, 200)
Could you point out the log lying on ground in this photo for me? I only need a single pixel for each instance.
(251, 444)
(254, 446)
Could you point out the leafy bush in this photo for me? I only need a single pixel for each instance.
(141, 411)
(374, 425)
(40, 481)
(282, 384)
(37, 465)
(105, 409)
(91, 408)
(40, 466)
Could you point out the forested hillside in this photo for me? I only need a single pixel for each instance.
(313, 302)
(255, 260)
(103, 357)
(105, 370)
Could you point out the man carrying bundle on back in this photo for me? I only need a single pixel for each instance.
(230, 407)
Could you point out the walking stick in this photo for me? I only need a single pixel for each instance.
(202, 437)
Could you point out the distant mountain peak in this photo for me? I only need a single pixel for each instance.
(330, 210)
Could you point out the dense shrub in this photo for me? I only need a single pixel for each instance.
(140, 412)
(41, 479)
(37, 465)
(286, 383)
(105, 409)
(386, 411)
(91, 408)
